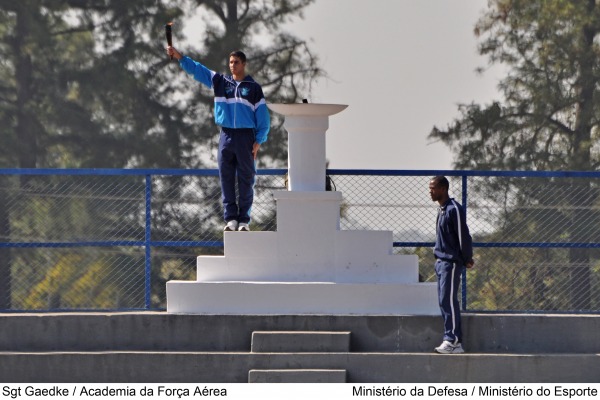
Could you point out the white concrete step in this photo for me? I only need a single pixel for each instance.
(249, 244)
(386, 268)
(268, 298)
(297, 376)
(300, 341)
(233, 367)
(357, 243)
(489, 333)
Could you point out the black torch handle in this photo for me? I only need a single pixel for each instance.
(169, 35)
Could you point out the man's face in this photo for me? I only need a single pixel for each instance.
(435, 191)
(236, 66)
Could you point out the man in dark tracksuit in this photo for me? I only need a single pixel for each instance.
(241, 112)
(453, 252)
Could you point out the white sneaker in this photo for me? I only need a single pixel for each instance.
(448, 348)
(243, 227)
(231, 226)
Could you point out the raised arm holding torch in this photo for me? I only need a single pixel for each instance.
(240, 110)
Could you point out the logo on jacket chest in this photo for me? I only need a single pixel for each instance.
(243, 92)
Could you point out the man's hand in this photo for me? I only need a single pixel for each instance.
(255, 148)
(470, 264)
(173, 52)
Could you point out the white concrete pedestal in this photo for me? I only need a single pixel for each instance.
(308, 266)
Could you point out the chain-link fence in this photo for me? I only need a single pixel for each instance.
(111, 239)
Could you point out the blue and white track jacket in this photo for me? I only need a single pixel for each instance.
(237, 104)
(452, 240)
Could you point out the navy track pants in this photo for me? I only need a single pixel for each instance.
(448, 275)
(236, 161)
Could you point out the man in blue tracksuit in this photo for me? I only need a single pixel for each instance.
(453, 252)
(241, 112)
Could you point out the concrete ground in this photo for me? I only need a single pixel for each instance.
(162, 347)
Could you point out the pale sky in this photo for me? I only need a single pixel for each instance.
(402, 66)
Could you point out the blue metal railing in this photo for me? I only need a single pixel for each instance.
(148, 243)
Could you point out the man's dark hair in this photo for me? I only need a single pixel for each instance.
(239, 54)
(441, 181)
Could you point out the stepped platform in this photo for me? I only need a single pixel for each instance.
(164, 347)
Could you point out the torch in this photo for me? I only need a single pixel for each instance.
(169, 35)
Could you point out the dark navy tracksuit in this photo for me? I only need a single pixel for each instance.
(241, 112)
(453, 249)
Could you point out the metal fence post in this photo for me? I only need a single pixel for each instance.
(464, 273)
(147, 242)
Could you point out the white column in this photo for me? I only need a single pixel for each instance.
(306, 125)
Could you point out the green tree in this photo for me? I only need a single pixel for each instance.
(549, 117)
(72, 97)
(75, 91)
(86, 83)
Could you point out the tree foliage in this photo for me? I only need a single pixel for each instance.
(550, 113)
(75, 91)
(548, 120)
(87, 84)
